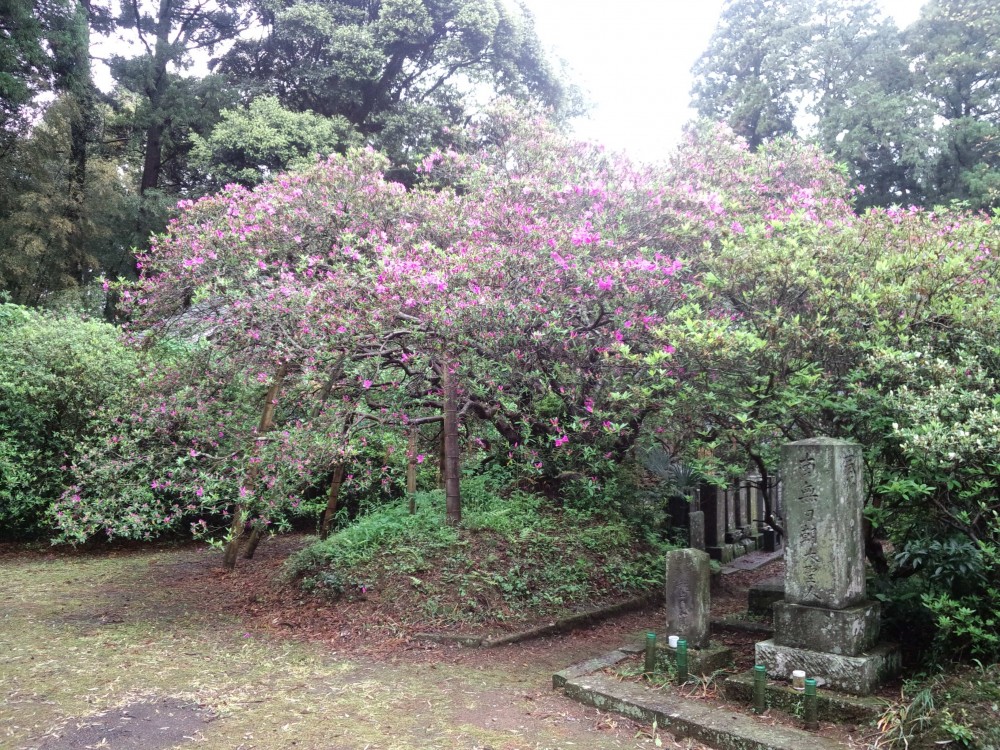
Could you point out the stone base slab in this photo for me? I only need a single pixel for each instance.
(701, 661)
(850, 632)
(686, 717)
(596, 664)
(859, 675)
(765, 593)
(830, 706)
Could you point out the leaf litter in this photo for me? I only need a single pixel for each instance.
(104, 644)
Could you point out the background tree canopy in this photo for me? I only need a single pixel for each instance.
(290, 81)
(913, 113)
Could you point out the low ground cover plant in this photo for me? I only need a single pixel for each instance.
(514, 558)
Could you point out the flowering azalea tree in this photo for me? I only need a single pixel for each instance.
(526, 284)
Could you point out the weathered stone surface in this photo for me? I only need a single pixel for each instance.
(586, 667)
(742, 500)
(823, 496)
(730, 509)
(714, 505)
(756, 502)
(684, 717)
(763, 594)
(830, 706)
(852, 674)
(850, 631)
(688, 595)
(696, 527)
(703, 661)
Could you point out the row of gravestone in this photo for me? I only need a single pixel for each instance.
(825, 626)
(728, 523)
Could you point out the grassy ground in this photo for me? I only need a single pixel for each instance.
(515, 560)
(81, 636)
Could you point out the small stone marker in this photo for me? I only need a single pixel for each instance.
(825, 626)
(688, 591)
(696, 529)
(713, 503)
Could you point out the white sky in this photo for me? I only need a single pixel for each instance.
(633, 59)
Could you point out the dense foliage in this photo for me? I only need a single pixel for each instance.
(585, 310)
(78, 196)
(912, 113)
(879, 328)
(57, 375)
(537, 270)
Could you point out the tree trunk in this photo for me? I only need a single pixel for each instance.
(152, 163)
(256, 536)
(232, 549)
(70, 46)
(156, 92)
(237, 530)
(411, 469)
(332, 497)
(441, 457)
(453, 497)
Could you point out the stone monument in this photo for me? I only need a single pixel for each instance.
(696, 522)
(825, 625)
(689, 579)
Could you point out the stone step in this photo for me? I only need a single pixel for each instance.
(704, 722)
(830, 706)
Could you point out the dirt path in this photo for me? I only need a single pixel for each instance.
(148, 650)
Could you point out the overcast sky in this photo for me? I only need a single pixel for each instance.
(634, 58)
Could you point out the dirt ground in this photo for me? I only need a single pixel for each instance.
(159, 649)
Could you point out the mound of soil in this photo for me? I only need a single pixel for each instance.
(383, 620)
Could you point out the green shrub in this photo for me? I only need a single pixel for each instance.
(514, 554)
(57, 372)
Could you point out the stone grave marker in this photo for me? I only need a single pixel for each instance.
(688, 593)
(696, 529)
(825, 625)
(742, 500)
(713, 505)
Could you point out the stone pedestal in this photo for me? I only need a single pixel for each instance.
(688, 595)
(859, 675)
(824, 625)
(850, 631)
